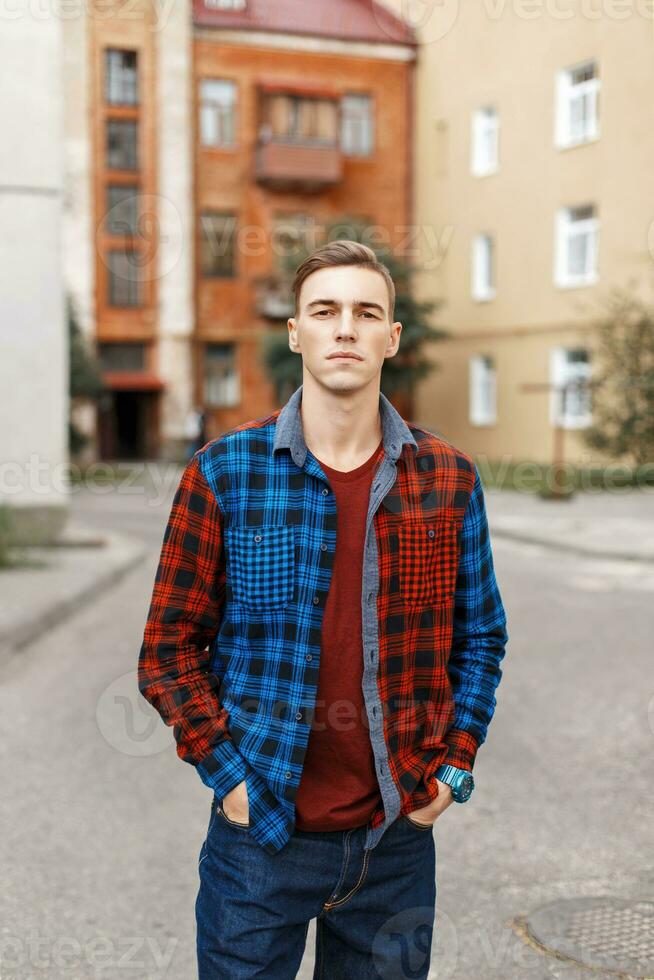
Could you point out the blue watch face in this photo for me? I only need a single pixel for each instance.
(464, 787)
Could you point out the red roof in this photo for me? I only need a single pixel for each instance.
(352, 20)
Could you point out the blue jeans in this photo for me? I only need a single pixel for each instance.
(374, 909)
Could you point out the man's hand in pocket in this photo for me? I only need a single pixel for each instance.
(236, 805)
(430, 813)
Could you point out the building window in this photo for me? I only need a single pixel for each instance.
(122, 144)
(484, 141)
(122, 209)
(482, 401)
(357, 135)
(577, 105)
(576, 246)
(124, 279)
(295, 119)
(570, 402)
(293, 236)
(217, 112)
(221, 380)
(218, 244)
(121, 77)
(483, 268)
(121, 357)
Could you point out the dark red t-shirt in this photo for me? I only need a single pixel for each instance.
(339, 787)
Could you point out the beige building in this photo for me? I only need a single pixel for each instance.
(534, 157)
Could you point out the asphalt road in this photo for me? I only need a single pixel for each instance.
(103, 824)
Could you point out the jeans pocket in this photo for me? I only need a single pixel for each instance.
(203, 850)
(416, 824)
(232, 823)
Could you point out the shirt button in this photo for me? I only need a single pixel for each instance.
(316, 600)
(431, 532)
(287, 774)
(309, 656)
(325, 491)
(298, 716)
(323, 547)
(257, 538)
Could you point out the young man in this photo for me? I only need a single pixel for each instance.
(336, 561)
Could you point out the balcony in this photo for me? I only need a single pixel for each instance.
(309, 167)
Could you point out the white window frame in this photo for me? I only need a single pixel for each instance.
(571, 94)
(563, 370)
(225, 4)
(212, 109)
(484, 141)
(357, 128)
(222, 392)
(482, 268)
(567, 228)
(482, 390)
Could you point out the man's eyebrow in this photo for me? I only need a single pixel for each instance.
(357, 302)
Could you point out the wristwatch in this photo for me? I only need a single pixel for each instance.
(460, 780)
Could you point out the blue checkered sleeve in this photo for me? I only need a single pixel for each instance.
(479, 636)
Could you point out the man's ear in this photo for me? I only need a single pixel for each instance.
(291, 323)
(391, 339)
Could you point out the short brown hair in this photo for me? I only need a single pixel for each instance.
(343, 252)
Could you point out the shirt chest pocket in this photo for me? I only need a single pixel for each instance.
(261, 565)
(428, 561)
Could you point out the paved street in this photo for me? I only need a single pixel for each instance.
(102, 842)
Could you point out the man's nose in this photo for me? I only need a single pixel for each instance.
(346, 325)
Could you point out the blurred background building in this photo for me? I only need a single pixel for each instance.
(205, 143)
(203, 146)
(534, 155)
(34, 352)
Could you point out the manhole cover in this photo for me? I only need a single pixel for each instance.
(612, 934)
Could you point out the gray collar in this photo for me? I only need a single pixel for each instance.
(289, 433)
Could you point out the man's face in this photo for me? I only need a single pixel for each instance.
(344, 309)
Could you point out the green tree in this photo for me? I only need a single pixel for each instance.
(400, 373)
(85, 378)
(622, 385)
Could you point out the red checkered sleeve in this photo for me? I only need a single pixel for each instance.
(184, 616)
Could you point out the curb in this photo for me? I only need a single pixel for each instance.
(573, 549)
(15, 639)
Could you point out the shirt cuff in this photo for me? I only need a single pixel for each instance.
(462, 749)
(224, 769)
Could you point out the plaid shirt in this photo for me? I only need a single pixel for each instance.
(231, 647)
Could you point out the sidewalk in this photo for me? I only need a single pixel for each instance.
(81, 565)
(618, 525)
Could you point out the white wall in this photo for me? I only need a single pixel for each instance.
(33, 339)
(175, 213)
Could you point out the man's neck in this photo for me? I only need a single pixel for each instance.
(342, 429)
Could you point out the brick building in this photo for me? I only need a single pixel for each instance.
(205, 146)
